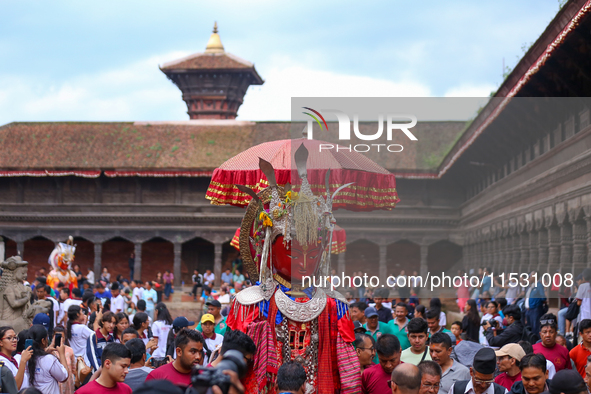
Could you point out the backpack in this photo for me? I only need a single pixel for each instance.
(460, 387)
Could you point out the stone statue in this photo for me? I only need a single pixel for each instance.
(15, 298)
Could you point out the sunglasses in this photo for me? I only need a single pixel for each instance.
(547, 321)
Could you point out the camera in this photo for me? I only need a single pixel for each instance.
(203, 378)
(158, 361)
(492, 322)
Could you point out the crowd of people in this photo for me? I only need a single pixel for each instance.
(499, 346)
(118, 335)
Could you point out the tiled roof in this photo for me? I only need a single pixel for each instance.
(188, 145)
(199, 61)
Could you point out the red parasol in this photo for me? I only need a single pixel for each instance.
(373, 186)
(235, 242)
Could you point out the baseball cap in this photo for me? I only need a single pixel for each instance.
(207, 317)
(41, 319)
(485, 361)
(215, 303)
(358, 327)
(512, 350)
(567, 381)
(182, 322)
(370, 312)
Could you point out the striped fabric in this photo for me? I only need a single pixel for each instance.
(266, 362)
(349, 368)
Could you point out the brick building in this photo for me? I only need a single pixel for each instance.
(511, 189)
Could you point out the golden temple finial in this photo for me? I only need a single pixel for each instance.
(214, 45)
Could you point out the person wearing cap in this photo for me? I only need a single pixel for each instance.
(580, 353)
(384, 314)
(212, 339)
(512, 334)
(440, 348)
(567, 382)
(548, 346)
(374, 379)
(508, 358)
(177, 325)
(41, 319)
(213, 308)
(482, 376)
(374, 327)
(398, 325)
(417, 336)
(366, 350)
(534, 375)
(358, 328)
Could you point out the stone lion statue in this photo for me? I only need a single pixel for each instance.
(16, 309)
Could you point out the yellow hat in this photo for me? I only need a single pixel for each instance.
(207, 317)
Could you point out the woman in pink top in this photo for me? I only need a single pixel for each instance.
(168, 279)
(463, 292)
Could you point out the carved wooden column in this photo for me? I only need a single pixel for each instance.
(495, 253)
(533, 248)
(20, 248)
(566, 245)
(553, 248)
(515, 253)
(579, 246)
(137, 264)
(542, 243)
(176, 268)
(523, 250)
(217, 263)
(98, 260)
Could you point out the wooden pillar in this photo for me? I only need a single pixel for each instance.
(137, 264)
(20, 248)
(424, 264)
(98, 260)
(2, 249)
(566, 246)
(579, 247)
(177, 263)
(217, 263)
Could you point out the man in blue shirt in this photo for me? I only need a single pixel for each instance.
(101, 292)
(534, 305)
(151, 297)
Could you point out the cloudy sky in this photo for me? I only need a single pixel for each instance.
(80, 60)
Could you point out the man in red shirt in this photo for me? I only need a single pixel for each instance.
(548, 347)
(508, 358)
(581, 352)
(375, 378)
(189, 353)
(116, 359)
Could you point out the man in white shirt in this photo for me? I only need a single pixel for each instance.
(209, 278)
(137, 291)
(75, 300)
(90, 277)
(584, 296)
(43, 292)
(117, 300)
(482, 373)
(212, 340)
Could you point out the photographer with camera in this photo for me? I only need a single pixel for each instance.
(189, 353)
(512, 334)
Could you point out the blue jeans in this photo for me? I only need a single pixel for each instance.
(167, 289)
(533, 318)
(562, 321)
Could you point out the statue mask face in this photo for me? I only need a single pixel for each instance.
(297, 261)
(20, 274)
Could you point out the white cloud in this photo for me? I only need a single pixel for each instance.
(467, 90)
(138, 91)
(272, 101)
